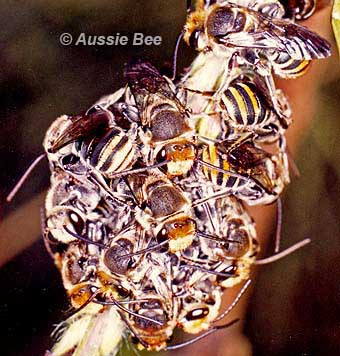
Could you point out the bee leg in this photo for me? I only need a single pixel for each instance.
(203, 93)
(205, 334)
(174, 63)
(284, 253)
(227, 76)
(143, 251)
(278, 225)
(132, 331)
(235, 302)
(85, 239)
(118, 305)
(272, 95)
(210, 271)
(135, 200)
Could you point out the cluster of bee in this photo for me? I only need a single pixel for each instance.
(146, 210)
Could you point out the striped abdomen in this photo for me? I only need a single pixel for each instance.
(211, 156)
(286, 67)
(112, 153)
(245, 105)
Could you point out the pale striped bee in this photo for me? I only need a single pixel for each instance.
(227, 29)
(247, 105)
(74, 209)
(200, 302)
(93, 139)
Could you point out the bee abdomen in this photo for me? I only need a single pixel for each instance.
(286, 67)
(244, 105)
(113, 153)
(211, 156)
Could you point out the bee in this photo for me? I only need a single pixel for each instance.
(200, 304)
(229, 256)
(228, 29)
(247, 105)
(67, 191)
(164, 119)
(164, 209)
(262, 175)
(148, 335)
(156, 302)
(74, 211)
(98, 143)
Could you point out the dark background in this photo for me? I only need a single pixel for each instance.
(295, 307)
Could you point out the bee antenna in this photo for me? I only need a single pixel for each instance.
(278, 225)
(85, 239)
(132, 331)
(205, 334)
(174, 63)
(22, 180)
(138, 170)
(292, 164)
(235, 302)
(215, 238)
(189, 6)
(94, 179)
(284, 253)
(118, 305)
(222, 274)
(145, 250)
(225, 171)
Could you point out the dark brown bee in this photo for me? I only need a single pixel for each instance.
(226, 29)
(163, 117)
(164, 209)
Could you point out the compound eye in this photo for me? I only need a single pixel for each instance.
(162, 155)
(162, 235)
(193, 39)
(69, 160)
(198, 313)
(77, 222)
(122, 292)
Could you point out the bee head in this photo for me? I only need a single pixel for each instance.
(194, 28)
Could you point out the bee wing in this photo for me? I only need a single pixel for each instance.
(83, 126)
(145, 80)
(135, 184)
(301, 43)
(257, 40)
